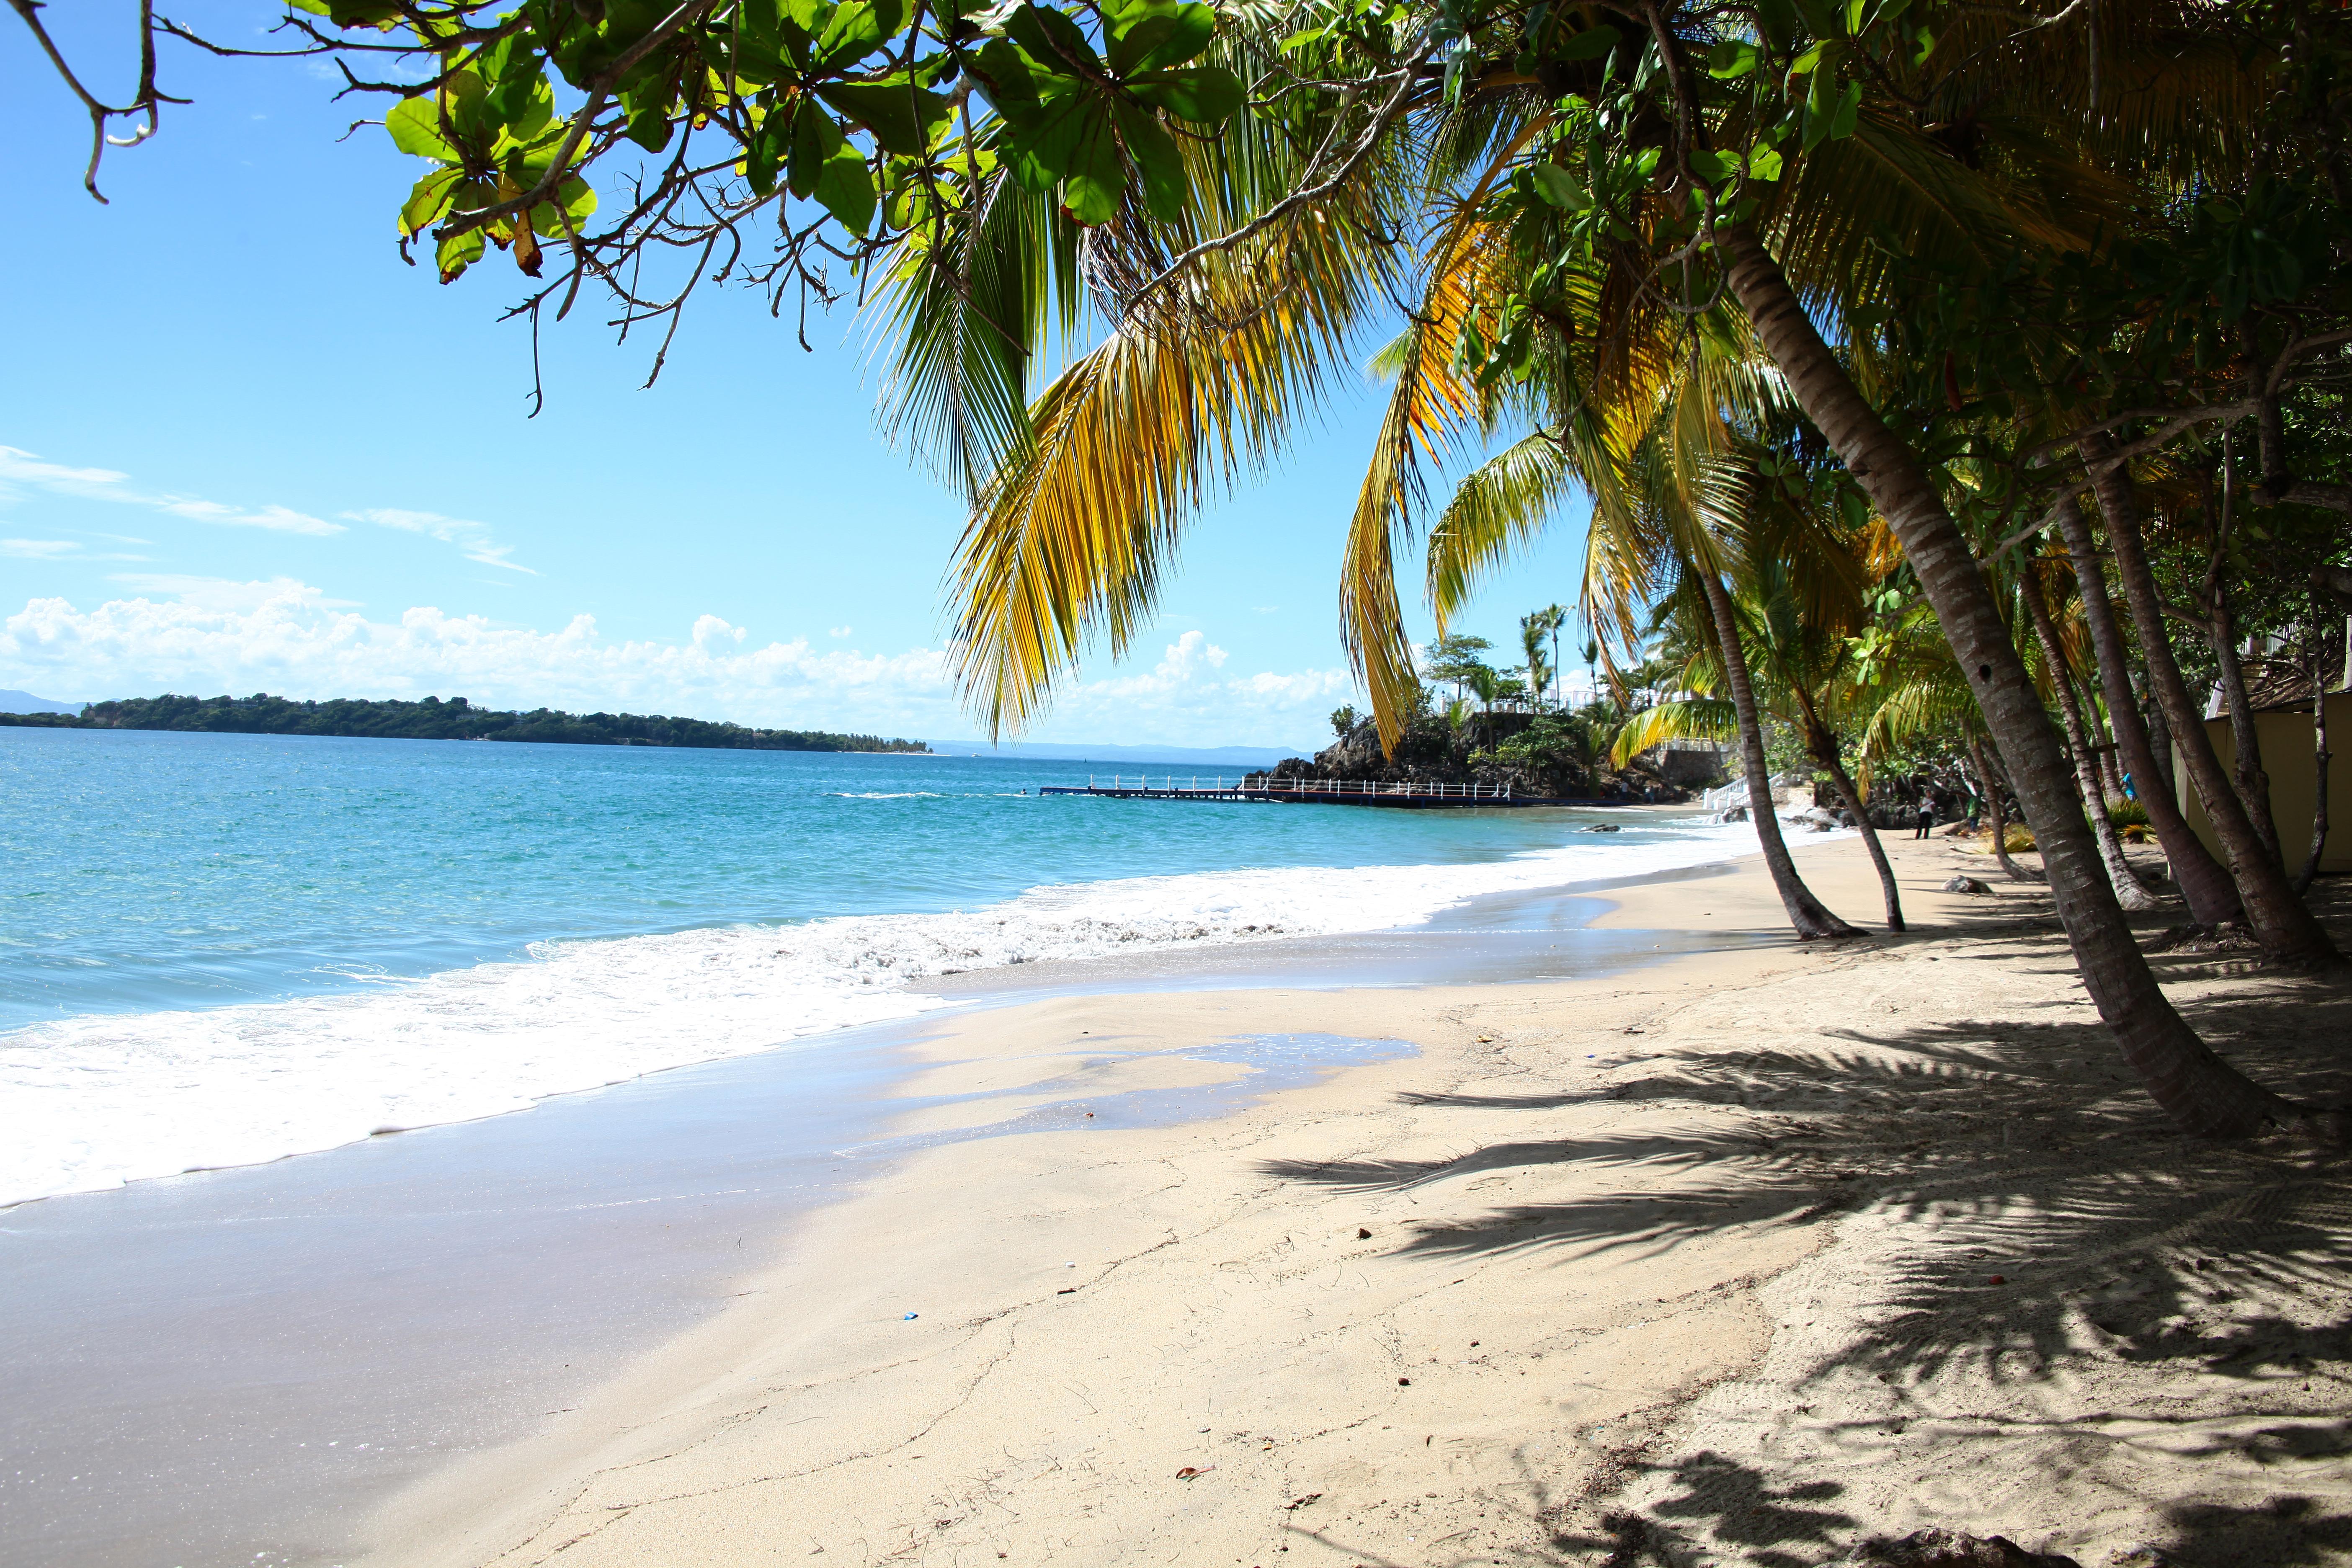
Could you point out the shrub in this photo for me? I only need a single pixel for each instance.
(2127, 813)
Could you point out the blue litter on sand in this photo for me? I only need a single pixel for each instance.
(909, 1318)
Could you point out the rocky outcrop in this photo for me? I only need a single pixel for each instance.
(1513, 751)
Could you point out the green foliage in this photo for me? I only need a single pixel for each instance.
(848, 107)
(434, 720)
(1557, 741)
(1343, 719)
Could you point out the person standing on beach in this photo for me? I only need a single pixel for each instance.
(1926, 816)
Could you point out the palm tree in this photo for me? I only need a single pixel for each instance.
(1804, 676)
(1080, 505)
(1534, 629)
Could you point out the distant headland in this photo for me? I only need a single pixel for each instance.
(432, 719)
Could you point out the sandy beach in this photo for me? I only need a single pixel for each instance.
(1742, 1257)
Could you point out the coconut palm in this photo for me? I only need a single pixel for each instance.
(1201, 377)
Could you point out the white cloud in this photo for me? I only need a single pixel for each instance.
(837, 631)
(472, 539)
(60, 550)
(226, 593)
(21, 468)
(286, 636)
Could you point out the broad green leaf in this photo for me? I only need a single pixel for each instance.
(429, 200)
(1047, 140)
(1560, 188)
(903, 117)
(1013, 84)
(1054, 41)
(1157, 159)
(1731, 59)
(1156, 33)
(1206, 95)
(1764, 163)
(650, 128)
(415, 127)
(815, 140)
(1849, 110)
(763, 157)
(1096, 177)
(466, 100)
(452, 256)
(579, 200)
(1715, 167)
(857, 30)
(847, 189)
(1589, 45)
(521, 99)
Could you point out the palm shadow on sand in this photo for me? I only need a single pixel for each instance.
(2074, 1187)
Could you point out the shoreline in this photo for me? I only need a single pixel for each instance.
(700, 1378)
(1475, 1305)
(625, 1203)
(1669, 1203)
(357, 1049)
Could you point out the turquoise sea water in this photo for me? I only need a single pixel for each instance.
(218, 948)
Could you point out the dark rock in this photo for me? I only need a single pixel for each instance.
(1605, 828)
(1965, 885)
(1431, 750)
(1950, 1549)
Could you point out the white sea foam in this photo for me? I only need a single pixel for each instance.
(95, 1102)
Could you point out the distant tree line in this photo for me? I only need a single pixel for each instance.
(434, 720)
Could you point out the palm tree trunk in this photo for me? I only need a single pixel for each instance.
(2204, 882)
(2253, 785)
(2199, 1089)
(1997, 784)
(1822, 742)
(1807, 913)
(2130, 891)
(1853, 796)
(2302, 879)
(2285, 929)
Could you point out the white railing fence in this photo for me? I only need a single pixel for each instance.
(1170, 783)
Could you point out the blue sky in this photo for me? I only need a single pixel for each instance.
(247, 448)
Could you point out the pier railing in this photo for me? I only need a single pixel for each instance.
(1180, 783)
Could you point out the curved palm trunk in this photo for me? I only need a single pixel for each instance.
(1822, 742)
(2245, 737)
(2204, 881)
(1886, 889)
(2302, 879)
(2197, 1089)
(1807, 913)
(2281, 924)
(2130, 891)
(1994, 786)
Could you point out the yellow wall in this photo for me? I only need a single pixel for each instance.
(2286, 757)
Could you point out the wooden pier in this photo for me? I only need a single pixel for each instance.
(1308, 792)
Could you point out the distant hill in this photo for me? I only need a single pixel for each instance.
(434, 720)
(26, 702)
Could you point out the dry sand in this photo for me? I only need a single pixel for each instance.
(1740, 1259)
